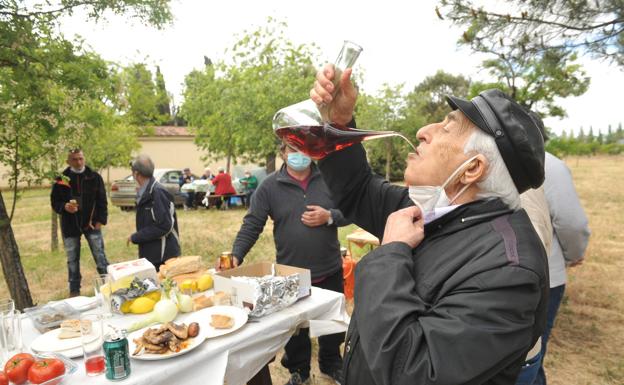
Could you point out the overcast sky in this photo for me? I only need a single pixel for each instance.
(403, 42)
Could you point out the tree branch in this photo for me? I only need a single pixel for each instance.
(548, 22)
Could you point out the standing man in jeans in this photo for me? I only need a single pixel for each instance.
(79, 196)
(305, 230)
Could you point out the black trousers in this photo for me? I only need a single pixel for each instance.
(298, 350)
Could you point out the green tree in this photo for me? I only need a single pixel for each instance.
(610, 135)
(386, 112)
(429, 97)
(42, 75)
(144, 101)
(538, 81)
(535, 26)
(163, 101)
(232, 114)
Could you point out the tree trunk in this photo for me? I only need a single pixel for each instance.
(270, 163)
(54, 241)
(227, 165)
(388, 158)
(11, 263)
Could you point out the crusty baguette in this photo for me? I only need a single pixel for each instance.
(181, 265)
(192, 276)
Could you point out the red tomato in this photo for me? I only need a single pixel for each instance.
(3, 379)
(16, 368)
(45, 369)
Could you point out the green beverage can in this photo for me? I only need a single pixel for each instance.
(117, 356)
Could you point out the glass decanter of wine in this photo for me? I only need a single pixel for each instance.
(307, 128)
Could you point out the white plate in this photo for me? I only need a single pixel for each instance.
(193, 343)
(203, 318)
(49, 342)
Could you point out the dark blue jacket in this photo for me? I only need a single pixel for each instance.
(157, 225)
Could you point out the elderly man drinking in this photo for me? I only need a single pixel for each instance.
(456, 293)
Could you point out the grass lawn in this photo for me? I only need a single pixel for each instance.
(587, 344)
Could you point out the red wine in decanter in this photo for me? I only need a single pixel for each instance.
(318, 141)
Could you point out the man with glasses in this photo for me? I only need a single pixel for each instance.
(79, 197)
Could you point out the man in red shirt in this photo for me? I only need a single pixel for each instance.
(223, 186)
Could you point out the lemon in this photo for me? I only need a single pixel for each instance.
(125, 307)
(204, 282)
(154, 296)
(188, 285)
(142, 305)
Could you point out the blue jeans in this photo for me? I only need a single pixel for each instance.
(189, 199)
(72, 249)
(533, 371)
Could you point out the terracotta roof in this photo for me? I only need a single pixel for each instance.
(171, 131)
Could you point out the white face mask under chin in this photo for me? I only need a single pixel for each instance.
(428, 198)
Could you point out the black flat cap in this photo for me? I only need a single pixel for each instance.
(517, 134)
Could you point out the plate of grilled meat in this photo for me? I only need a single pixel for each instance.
(165, 340)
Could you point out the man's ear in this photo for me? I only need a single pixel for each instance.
(476, 171)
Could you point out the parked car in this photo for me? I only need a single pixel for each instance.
(123, 192)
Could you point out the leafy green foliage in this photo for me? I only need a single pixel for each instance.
(52, 91)
(537, 82)
(143, 101)
(390, 109)
(527, 28)
(582, 144)
(231, 105)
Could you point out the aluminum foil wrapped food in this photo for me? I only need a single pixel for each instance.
(137, 288)
(272, 293)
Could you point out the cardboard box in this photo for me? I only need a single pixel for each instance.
(140, 268)
(243, 294)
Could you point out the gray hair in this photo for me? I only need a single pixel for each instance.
(498, 182)
(143, 165)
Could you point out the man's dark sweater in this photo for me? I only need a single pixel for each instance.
(284, 200)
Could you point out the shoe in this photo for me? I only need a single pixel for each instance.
(333, 374)
(297, 379)
(73, 294)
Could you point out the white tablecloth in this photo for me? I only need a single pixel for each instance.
(235, 357)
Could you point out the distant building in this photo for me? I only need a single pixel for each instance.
(173, 147)
(169, 147)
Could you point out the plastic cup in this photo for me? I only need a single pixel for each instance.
(6, 305)
(102, 289)
(92, 339)
(10, 334)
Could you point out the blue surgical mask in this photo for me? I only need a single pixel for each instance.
(298, 161)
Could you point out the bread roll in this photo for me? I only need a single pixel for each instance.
(182, 265)
(71, 328)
